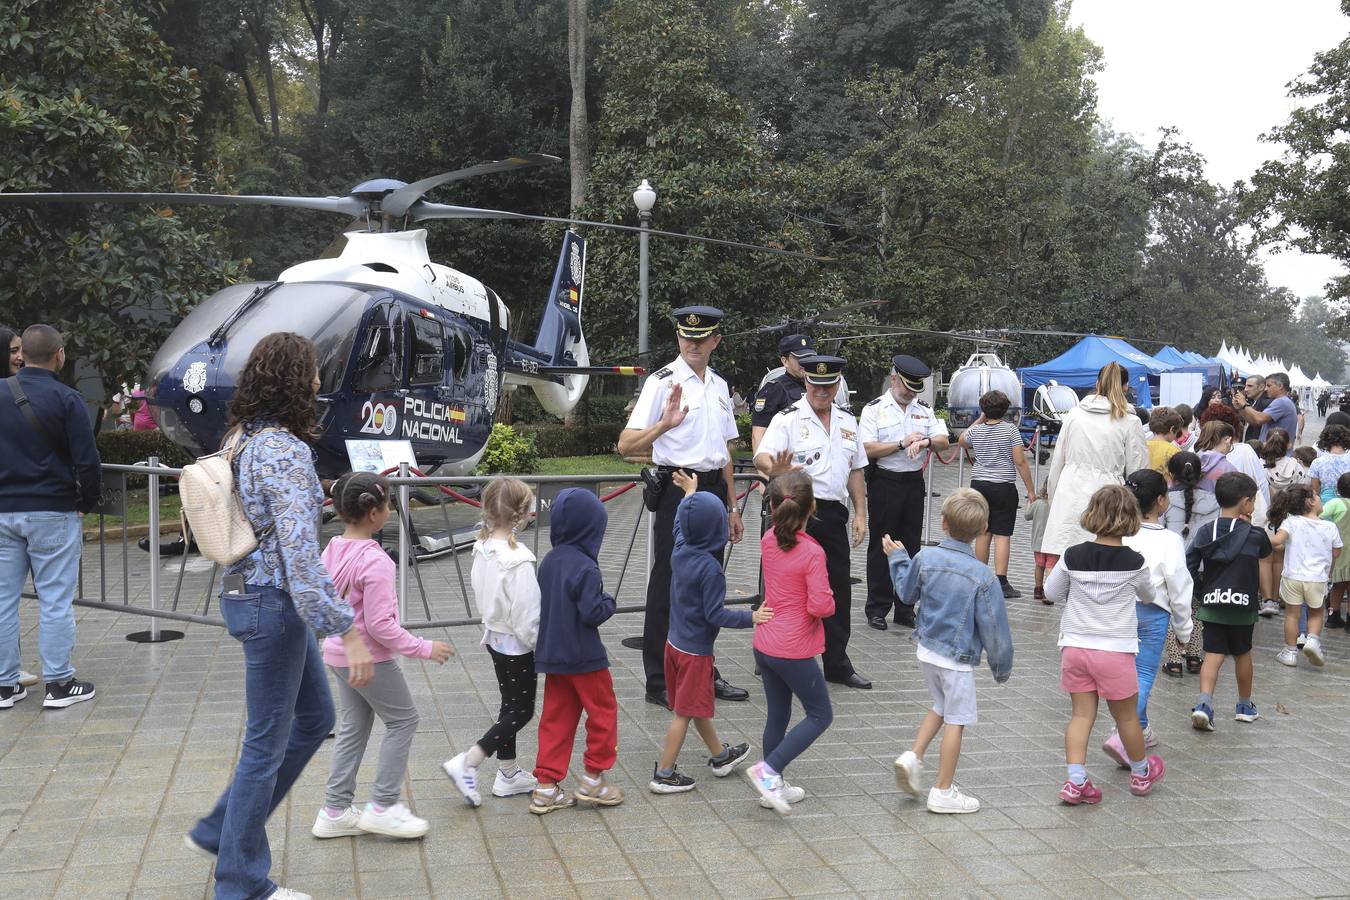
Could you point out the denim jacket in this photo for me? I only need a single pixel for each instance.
(961, 611)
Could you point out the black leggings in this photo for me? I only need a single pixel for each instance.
(518, 682)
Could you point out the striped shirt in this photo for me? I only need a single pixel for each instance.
(993, 445)
(1098, 587)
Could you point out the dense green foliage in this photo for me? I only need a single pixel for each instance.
(508, 453)
(946, 155)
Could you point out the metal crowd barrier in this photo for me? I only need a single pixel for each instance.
(145, 589)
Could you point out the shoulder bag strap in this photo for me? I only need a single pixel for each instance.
(25, 407)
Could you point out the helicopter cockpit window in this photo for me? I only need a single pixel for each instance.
(427, 359)
(462, 349)
(380, 362)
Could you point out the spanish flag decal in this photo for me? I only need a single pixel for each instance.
(457, 415)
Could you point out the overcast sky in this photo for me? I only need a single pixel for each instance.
(1217, 71)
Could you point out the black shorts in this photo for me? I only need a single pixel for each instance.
(1230, 640)
(1002, 497)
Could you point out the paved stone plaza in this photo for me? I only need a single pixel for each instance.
(94, 799)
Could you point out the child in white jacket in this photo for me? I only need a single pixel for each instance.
(507, 592)
(1164, 554)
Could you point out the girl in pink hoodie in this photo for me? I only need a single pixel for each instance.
(364, 576)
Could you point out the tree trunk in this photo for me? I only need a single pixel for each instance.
(578, 137)
(252, 93)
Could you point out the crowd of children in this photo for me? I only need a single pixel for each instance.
(1179, 565)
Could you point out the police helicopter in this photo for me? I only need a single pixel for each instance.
(409, 349)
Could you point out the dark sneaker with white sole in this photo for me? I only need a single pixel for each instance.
(61, 694)
(731, 757)
(11, 695)
(675, 783)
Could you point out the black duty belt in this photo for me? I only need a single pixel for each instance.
(887, 475)
(710, 477)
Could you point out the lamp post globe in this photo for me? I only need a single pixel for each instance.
(644, 198)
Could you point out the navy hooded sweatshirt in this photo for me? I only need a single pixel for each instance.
(698, 587)
(572, 599)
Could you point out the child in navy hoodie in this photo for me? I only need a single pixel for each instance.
(698, 590)
(570, 655)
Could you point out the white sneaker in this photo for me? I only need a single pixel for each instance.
(282, 893)
(396, 822)
(28, 679)
(908, 768)
(769, 786)
(1150, 739)
(791, 793)
(520, 783)
(325, 826)
(952, 801)
(1287, 657)
(1313, 650)
(465, 778)
(197, 848)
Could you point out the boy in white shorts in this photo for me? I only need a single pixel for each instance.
(951, 582)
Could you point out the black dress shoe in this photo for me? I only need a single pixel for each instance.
(725, 691)
(658, 698)
(1009, 592)
(853, 680)
(877, 622)
(167, 548)
(904, 616)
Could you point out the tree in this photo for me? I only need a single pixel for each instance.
(90, 101)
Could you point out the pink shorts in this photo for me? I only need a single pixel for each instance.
(1107, 673)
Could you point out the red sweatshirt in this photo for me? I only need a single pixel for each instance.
(797, 590)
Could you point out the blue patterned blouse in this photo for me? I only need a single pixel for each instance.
(277, 484)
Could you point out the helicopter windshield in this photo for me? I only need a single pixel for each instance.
(328, 314)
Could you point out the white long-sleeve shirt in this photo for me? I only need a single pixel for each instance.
(1164, 553)
(507, 592)
(1098, 586)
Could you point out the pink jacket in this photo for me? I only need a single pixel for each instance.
(797, 590)
(364, 575)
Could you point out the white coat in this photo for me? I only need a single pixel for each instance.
(1093, 450)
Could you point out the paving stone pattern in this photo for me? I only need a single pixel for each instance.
(94, 799)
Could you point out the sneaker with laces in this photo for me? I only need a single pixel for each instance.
(546, 800)
(396, 821)
(908, 768)
(1142, 785)
(1287, 657)
(731, 757)
(791, 793)
(598, 793)
(1313, 650)
(28, 679)
(11, 695)
(282, 893)
(1202, 717)
(1009, 592)
(521, 782)
(952, 801)
(1246, 712)
(1074, 794)
(1302, 639)
(325, 826)
(769, 786)
(1115, 748)
(675, 783)
(464, 777)
(1268, 608)
(1150, 739)
(61, 694)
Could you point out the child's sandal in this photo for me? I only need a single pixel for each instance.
(1193, 664)
(1173, 669)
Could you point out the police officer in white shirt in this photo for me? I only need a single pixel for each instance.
(897, 430)
(684, 418)
(821, 439)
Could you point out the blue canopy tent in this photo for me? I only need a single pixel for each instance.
(1078, 366)
(1186, 361)
(1171, 356)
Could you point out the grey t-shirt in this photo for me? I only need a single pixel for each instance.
(1283, 414)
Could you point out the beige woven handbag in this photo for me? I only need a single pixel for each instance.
(223, 533)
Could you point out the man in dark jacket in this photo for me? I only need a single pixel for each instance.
(50, 473)
(569, 653)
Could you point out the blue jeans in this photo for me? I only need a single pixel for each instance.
(48, 544)
(1153, 622)
(290, 712)
(782, 679)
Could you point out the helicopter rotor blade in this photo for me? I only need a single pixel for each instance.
(903, 332)
(398, 202)
(813, 321)
(1119, 337)
(425, 210)
(346, 205)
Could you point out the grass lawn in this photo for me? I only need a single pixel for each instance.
(604, 464)
(138, 511)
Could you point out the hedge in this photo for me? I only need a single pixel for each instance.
(574, 440)
(130, 447)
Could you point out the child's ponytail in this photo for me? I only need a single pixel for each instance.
(506, 504)
(1186, 471)
(1294, 500)
(791, 500)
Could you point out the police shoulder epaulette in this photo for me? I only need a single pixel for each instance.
(663, 373)
(788, 409)
(875, 402)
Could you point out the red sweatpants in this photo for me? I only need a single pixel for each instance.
(565, 696)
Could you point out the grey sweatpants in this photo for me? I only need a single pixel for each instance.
(386, 696)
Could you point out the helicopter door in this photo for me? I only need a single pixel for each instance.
(381, 362)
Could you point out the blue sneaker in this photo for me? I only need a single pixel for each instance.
(1202, 718)
(1246, 712)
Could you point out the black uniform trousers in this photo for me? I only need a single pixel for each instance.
(829, 527)
(895, 507)
(656, 621)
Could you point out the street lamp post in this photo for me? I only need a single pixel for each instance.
(644, 198)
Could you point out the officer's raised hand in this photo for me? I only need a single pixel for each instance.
(673, 413)
(782, 464)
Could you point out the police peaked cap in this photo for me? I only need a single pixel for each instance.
(823, 370)
(697, 321)
(912, 371)
(798, 345)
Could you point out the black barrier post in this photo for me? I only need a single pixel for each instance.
(156, 634)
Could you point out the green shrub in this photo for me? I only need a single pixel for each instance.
(508, 453)
(743, 427)
(567, 440)
(130, 447)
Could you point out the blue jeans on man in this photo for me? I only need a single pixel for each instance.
(290, 712)
(48, 545)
